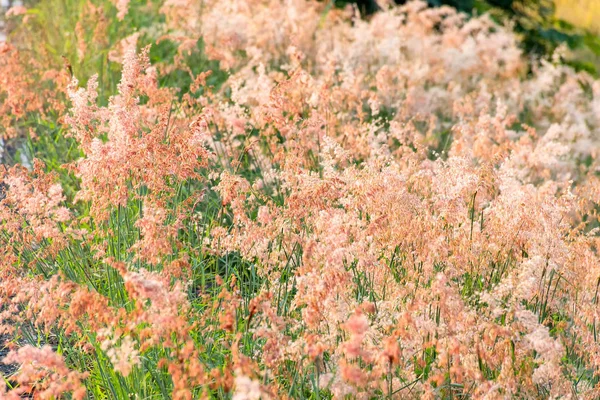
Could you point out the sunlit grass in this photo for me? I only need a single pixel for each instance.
(582, 13)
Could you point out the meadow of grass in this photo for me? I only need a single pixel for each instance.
(276, 199)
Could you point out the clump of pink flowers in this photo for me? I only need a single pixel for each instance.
(43, 374)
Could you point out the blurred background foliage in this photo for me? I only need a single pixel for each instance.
(584, 13)
(543, 25)
(546, 24)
